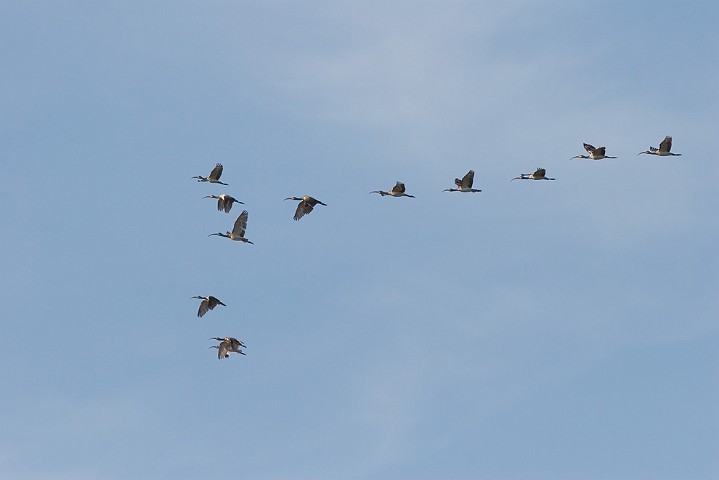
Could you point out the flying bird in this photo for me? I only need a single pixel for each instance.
(465, 184)
(224, 202)
(208, 303)
(214, 176)
(226, 346)
(238, 231)
(234, 343)
(539, 174)
(305, 206)
(664, 149)
(397, 191)
(594, 153)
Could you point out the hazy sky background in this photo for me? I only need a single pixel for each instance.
(536, 330)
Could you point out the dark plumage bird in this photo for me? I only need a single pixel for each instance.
(539, 174)
(214, 176)
(465, 184)
(224, 202)
(664, 150)
(305, 206)
(238, 230)
(397, 191)
(594, 153)
(228, 345)
(208, 303)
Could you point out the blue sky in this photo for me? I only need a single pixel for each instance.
(536, 330)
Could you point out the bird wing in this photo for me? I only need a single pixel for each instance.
(588, 148)
(221, 204)
(666, 145)
(539, 173)
(212, 302)
(468, 179)
(240, 224)
(223, 349)
(601, 151)
(398, 188)
(313, 201)
(228, 203)
(216, 172)
(303, 208)
(203, 308)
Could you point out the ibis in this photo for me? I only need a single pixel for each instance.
(224, 202)
(594, 153)
(238, 231)
(234, 343)
(226, 346)
(539, 174)
(214, 176)
(397, 191)
(305, 206)
(465, 184)
(664, 150)
(208, 303)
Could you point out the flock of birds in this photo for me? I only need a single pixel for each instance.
(306, 204)
(226, 345)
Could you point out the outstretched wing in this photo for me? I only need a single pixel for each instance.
(223, 349)
(313, 201)
(666, 145)
(216, 172)
(303, 208)
(468, 179)
(228, 203)
(588, 148)
(212, 302)
(240, 224)
(236, 344)
(539, 173)
(398, 188)
(203, 308)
